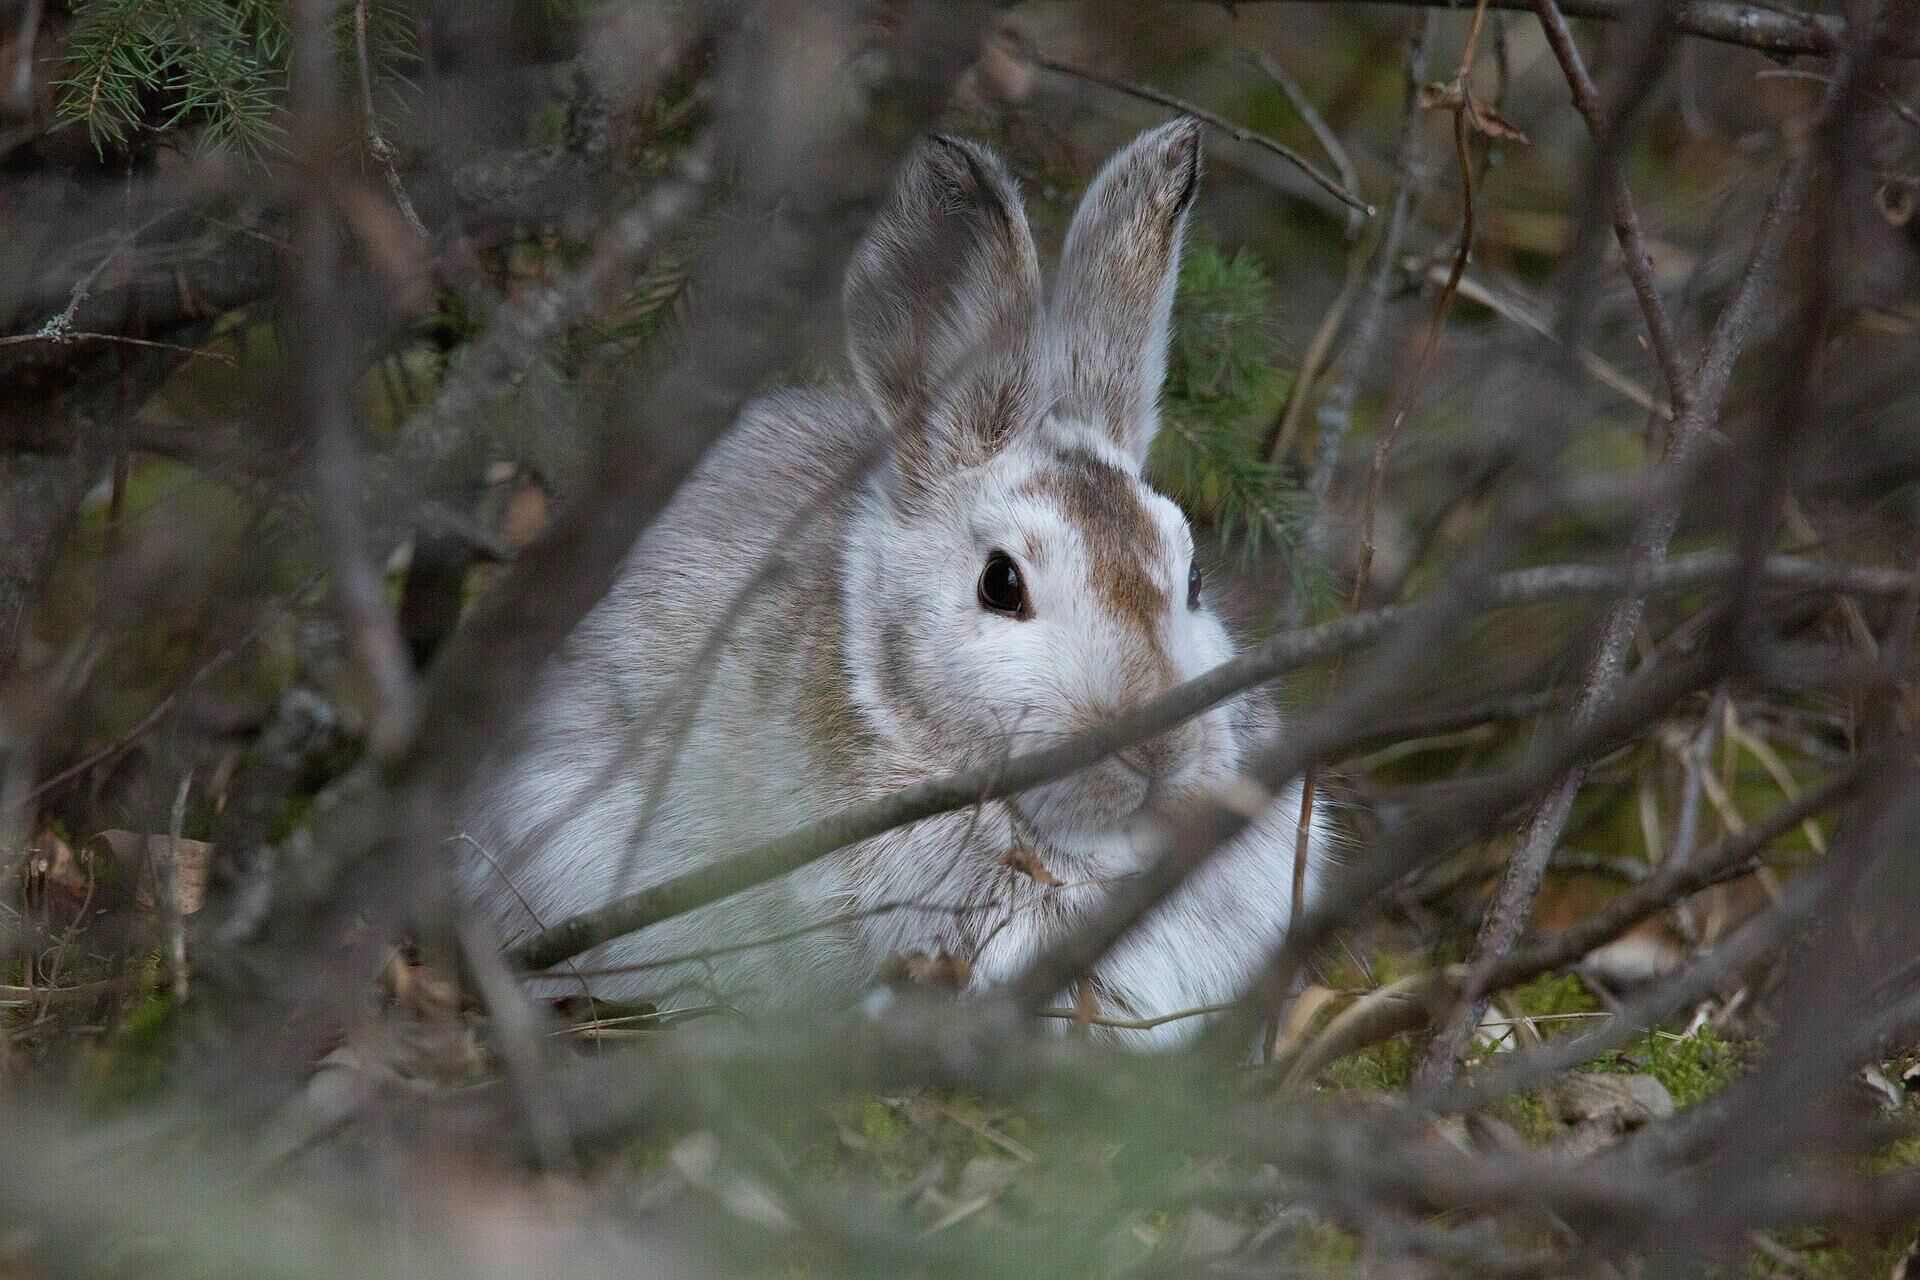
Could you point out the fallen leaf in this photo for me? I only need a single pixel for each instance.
(53, 868)
(1726, 906)
(1480, 113)
(421, 990)
(136, 855)
(1491, 124)
(525, 517)
(1026, 860)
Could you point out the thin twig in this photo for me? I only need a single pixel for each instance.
(517, 1034)
(83, 335)
(325, 377)
(1313, 361)
(1335, 415)
(1637, 262)
(59, 328)
(1519, 313)
(1376, 474)
(20, 91)
(125, 741)
(1513, 901)
(1150, 94)
(1754, 26)
(1285, 652)
(377, 144)
(1081, 1017)
(166, 892)
(1329, 141)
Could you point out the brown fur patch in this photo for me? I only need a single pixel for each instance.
(814, 674)
(1103, 503)
(896, 677)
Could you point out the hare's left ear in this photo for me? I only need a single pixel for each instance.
(1113, 301)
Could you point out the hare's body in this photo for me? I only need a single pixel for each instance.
(802, 630)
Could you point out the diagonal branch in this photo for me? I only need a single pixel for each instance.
(1766, 28)
(1286, 652)
(1213, 120)
(1513, 900)
(1626, 222)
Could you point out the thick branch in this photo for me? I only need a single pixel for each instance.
(1749, 26)
(1626, 222)
(1671, 883)
(1513, 900)
(1286, 652)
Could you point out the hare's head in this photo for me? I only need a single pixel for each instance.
(1012, 579)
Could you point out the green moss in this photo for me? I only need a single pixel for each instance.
(1903, 1154)
(137, 1060)
(1323, 1249)
(879, 1124)
(1379, 1068)
(1530, 1116)
(1692, 1067)
(1553, 994)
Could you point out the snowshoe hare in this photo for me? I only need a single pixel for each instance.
(1000, 579)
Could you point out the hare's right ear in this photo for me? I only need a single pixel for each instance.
(943, 294)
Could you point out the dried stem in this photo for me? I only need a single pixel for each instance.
(1213, 120)
(1513, 901)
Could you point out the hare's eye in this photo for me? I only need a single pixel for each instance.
(1193, 586)
(1001, 589)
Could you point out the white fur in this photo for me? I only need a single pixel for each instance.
(868, 663)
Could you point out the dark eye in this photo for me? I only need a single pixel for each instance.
(1193, 586)
(1001, 589)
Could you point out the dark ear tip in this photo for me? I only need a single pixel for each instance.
(1186, 131)
(968, 170)
(1184, 135)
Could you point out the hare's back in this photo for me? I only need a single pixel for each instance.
(775, 480)
(769, 495)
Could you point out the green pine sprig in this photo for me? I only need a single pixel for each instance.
(215, 68)
(1222, 388)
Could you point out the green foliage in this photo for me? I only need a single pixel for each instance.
(1692, 1067)
(136, 1062)
(194, 62)
(216, 67)
(1222, 392)
(1553, 994)
(1381, 1068)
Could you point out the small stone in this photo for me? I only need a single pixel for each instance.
(1621, 1103)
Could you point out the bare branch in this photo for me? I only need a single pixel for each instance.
(1767, 28)
(1213, 120)
(1513, 901)
(1286, 652)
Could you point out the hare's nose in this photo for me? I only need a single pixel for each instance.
(1159, 758)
